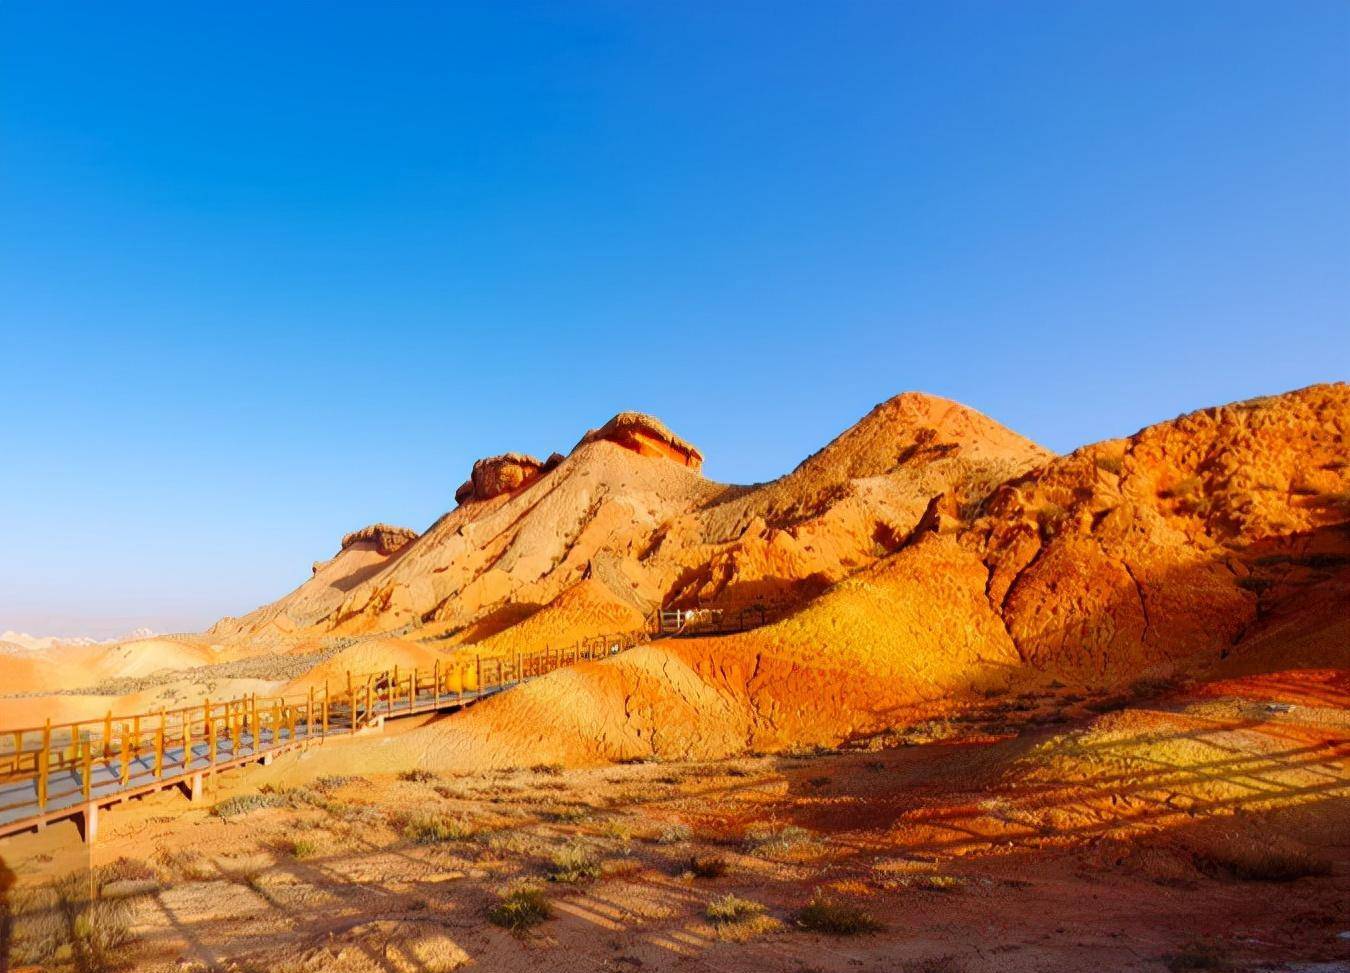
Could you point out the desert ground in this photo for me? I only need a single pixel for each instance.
(995, 709)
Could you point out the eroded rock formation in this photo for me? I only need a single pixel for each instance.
(494, 476)
(386, 539)
(646, 436)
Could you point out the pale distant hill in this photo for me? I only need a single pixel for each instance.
(11, 640)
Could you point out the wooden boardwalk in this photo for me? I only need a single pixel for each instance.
(67, 770)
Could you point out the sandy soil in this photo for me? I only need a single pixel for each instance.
(1118, 837)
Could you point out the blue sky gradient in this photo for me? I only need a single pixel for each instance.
(272, 274)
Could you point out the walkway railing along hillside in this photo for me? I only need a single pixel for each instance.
(715, 620)
(61, 770)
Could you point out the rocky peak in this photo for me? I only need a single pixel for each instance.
(386, 539)
(494, 475)
(647, 436)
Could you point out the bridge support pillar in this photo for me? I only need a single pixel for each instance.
(89, 823)
(192, 787)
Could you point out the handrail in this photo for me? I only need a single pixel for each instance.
(168, 740)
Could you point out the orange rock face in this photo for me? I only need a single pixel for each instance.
(646, 436)
(494, 476)
(386, 539)
(1160, 548)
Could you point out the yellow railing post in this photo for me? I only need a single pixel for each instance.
(210, 735)
(86, 774)
(126, 756)
(107, 735)
(44, 764)
(324, 732)
(187, 739)
(159, 747)
(412, 690)
(436, 685)
(309, 715)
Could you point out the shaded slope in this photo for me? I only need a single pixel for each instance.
(1154, 550)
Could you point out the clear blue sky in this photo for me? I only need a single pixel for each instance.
(269, 272)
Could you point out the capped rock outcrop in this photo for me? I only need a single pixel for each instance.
(495, 475)
(387, 539)
(647, 436)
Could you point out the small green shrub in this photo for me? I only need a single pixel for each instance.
(575, 863)
(520, 908)
(551, 770)
(302, 848)
(834, 916)
(730, 908)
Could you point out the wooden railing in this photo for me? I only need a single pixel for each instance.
(714, 620)
(68, 762)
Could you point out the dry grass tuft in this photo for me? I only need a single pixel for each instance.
(674, 834)
(233, 807)
(332, 782)
(65, 918)
(772, 841)
(302, 847)
(707, 866)
(731, 908)
(419, 775)
(124, 870)
(433, 829)
(835, 916)
(575, 863)
(932, 883)
(520, 907)
(185, 864)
